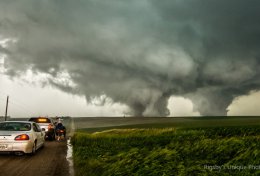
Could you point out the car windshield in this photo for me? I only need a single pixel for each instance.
(40, 120)
(15, 126)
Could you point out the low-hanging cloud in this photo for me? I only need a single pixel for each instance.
(138, 53)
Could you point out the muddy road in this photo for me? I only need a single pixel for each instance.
(48, 161)
(51, 160)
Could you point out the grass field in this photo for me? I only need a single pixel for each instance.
(106, 123)
(168, 149)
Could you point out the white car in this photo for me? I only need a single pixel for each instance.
(20, 137)
(46, 124)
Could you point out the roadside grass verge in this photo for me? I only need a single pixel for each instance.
(168, 151)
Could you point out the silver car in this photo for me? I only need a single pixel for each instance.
(20, 137)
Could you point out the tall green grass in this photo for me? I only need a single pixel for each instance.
(235, 150)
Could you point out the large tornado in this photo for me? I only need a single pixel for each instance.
(138, 53)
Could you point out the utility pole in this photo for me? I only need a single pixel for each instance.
(6, 109)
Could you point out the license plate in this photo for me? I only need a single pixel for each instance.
(3, 146)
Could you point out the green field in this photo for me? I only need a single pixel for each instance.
(106, 123)
(142, 150)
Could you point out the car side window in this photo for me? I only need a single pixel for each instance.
(38, 127)
(35, 128)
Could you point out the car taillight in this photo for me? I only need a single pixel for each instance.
(50, 126)
(22, 137)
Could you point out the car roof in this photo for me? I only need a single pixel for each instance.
(40, 118)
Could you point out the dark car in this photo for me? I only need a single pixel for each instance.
(47, 125)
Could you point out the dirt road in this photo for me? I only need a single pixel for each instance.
(48, 161)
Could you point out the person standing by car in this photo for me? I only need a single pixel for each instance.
(60, 130)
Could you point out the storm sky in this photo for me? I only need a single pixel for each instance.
(136, 54)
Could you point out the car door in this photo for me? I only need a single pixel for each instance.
(39, 134)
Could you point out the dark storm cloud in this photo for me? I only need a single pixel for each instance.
(139, 52)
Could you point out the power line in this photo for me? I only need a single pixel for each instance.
(24, 107)
(17, 104)
(20, 107)
(2, 99)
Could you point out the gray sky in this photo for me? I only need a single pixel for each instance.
(131, 57)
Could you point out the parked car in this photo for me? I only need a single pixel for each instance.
(47, 125)
(20, 137)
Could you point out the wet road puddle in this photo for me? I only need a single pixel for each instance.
(69, 158)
